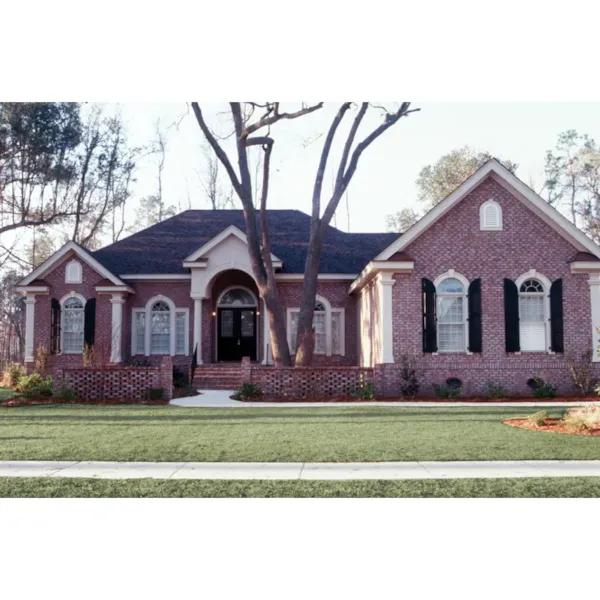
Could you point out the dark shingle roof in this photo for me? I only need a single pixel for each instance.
(163, 247)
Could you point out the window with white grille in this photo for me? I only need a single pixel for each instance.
(490, 215)
(180, 331)
(532, 316)
(139, 331)
(160, 333)
(451, 316)
(73, 324)
(328, 325)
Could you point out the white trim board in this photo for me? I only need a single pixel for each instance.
(158, 277)
(516, 187)
(51, 262)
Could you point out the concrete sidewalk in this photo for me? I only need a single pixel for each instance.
(303, 471)
(221, 399)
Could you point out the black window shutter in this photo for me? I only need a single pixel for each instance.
(556, 316)
(89, 323)
(511, 316)
(429, 320)
(475, 316)
(54, 326)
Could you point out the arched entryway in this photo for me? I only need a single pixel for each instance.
(236, 323)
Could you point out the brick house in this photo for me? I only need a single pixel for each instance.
(492, 284)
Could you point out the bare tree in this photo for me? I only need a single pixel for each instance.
(210, 178)
(245, 126)
(346, 168)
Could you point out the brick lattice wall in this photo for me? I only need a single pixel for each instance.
(114, 382)
(306, 382)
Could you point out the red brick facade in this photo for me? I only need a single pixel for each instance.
(455, 241)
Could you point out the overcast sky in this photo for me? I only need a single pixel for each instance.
(385, 180)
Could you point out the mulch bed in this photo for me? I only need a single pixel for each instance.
(41, 400)
(474, 399)
(553, 425)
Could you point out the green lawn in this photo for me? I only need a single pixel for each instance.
(278, 434)
(575, 487)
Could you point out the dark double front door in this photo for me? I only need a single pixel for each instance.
(236, 333)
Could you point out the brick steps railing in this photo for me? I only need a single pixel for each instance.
(218, 377)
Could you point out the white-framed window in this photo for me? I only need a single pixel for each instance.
(73, 325)
(73, 272)
(329, 327)
(490, 216)
(533, 315)
(138, 335)
(452, 311)
(160, 328)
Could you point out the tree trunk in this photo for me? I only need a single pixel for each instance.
(305, 347)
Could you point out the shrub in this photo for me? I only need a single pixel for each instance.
(247, 391)
(41, 360)
(582, 417)
(180, 379)
(65, 390)
(494, 390)
(365, 390)
(410, 379)
(36, 385)
(539, 418)
(579, 369)
(451, 389)
(541, 388)
(140, 362)
(155, 394)
(14, 373)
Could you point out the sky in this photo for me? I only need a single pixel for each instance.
(385, 179)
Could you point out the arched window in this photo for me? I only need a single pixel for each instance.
(73, 272)
(490, 216)
(328, 325)
(73, 326)
(160, 328)
(160, 333)
(532, 316)
(452, 330)
(237, 297)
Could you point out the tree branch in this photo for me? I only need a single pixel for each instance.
(273, 115)
(216, 147)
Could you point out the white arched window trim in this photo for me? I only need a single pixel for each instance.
(329, 317)
(66, 297)
(546, 284)
(73, 272)
(173, 315)
(238, 287)
(484, 225)
(452, 274)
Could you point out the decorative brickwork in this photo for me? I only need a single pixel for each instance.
(306, 382)
(115, 382)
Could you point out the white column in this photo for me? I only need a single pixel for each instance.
(117, 302)
(594, 282)
(198, 329)
(266, 335)
(386, 323)
(29, 326)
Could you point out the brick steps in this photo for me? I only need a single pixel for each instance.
(218, 377)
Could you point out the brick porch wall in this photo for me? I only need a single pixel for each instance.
(117, 382)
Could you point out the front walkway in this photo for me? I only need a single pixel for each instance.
(221, 399)
(304, 471)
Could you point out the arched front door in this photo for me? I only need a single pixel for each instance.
(236, 325)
